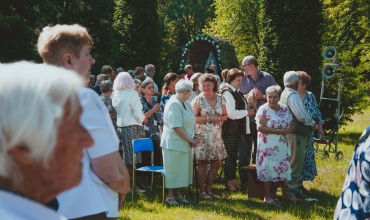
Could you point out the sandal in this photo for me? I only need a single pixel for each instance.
(182, 200)
(271, 202)
(214, 196)
(171, 201)
(204, 195)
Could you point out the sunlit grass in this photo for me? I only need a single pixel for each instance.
(326, 188)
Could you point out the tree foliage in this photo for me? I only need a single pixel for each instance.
(237, 22)
(347, 27)
(137, 34)
(291, 38)
(21, 22)
(181, 20)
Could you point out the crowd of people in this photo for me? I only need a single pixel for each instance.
(71, 137)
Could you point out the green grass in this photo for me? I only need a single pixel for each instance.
(326, 188)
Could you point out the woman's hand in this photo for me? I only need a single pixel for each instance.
(145, 121)
(251, 112)
(215, 119)
(194, 142)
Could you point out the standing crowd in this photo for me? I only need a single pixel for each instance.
(245, 117)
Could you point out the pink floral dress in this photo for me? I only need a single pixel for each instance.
(273, 150)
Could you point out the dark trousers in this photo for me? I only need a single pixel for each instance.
(254, 131)
(231, 146)
(245, 149)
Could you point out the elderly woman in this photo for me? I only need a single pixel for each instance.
(273, 123)
(170, 80)
(106, 92)
(210, 111)
(177, 143)
(236, 125)
(194, 79)
(308, 98)
(40, 152)
(130, 118)
(152, 111)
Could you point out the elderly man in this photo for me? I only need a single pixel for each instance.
(105, 180)
(150, 70)
(300, 130)
(255, 82)
(189, 72)
(41, 151)
(100, 78)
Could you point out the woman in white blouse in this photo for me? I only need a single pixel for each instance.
(236, 125)
(130, 118)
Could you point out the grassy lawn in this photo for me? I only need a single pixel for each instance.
(326, 188)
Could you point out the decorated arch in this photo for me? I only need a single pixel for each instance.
(203, 50)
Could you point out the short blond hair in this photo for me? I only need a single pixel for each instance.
(55, 41)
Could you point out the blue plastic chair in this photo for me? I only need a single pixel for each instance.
(142, 145)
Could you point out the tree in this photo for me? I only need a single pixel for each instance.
(237, 22)
(137, 34)
(347, 27)
(21, 21)
(291, 38)
(181, 20)
(19, 25)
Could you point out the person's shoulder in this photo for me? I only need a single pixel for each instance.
(266, 74)
(87, 93)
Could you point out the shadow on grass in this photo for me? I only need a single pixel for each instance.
(350, 138)
(238, 206)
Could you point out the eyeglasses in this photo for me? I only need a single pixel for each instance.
(245, 65)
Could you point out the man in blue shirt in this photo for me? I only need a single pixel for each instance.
(258, 81)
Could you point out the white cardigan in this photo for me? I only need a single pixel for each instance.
(128, 107)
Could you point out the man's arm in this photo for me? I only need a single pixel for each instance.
(111, 170)
(296, 106)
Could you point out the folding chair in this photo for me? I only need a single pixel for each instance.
(141, 145)
(327, 141)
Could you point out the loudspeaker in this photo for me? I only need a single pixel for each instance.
(328, 71)
(330, 53)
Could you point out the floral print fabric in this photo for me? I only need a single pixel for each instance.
(309, 166)
(354, 201)
(211, 146)
(273, 150)
(151, 127)
(112, 112)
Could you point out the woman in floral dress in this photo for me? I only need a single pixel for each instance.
(153, 113)
(273, 123)
(308, 98)
(210, 111)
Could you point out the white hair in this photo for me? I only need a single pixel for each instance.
(290, 78)
(183, 85)
(32, 100)
(123, 81)
(274, 88)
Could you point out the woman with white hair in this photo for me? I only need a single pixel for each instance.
(177, 142)
(130, 118)
(40, 151)
(273, 123)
